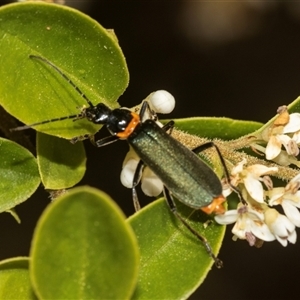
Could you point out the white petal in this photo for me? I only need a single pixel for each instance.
(291, 212)
(254, 188)
(239, 167)
(127, 172)
(288, 224)
(294, 123)
(254, 215)
(263, 232)
(283, 138)
(151, 185)
(240, 233)
(228, 218)
(259, 170)
(273, 148)
(240, 228)
(293, 237)
(296, 137)
(282, 227)
(283, 242)
(294, 199)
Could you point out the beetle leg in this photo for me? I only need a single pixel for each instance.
(204, 241)
(169, 126)
(105, 141)
(146, 107)
(135, 182)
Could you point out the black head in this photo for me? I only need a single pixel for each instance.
(98, 114)
(116, 120)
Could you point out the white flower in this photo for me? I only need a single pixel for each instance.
(250, 177)
(280, 226)
(280, 135)
(289, 198)
(161, 101)
(249, 223)
(293, 125)
(151, 184)
(274, 145)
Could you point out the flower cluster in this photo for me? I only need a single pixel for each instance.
(257, 220)
(284, 131)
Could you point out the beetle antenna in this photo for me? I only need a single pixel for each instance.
(75, 117)
(64, 76)
(24, 127)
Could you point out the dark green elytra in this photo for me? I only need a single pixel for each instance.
(188, 178)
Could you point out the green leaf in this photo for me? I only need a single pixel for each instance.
(88, 54)
(14, 279)
(83, 249)
(173, 261)
(19, 175)
(61, 163)
(212, 127)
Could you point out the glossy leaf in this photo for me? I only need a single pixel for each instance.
(83, 249)
(61, 164)
(173, 261)
(88, 54)
(19, 175)
(14, 279)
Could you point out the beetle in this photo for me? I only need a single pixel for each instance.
(184, 175)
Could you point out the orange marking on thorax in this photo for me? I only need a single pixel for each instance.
(130, 127)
